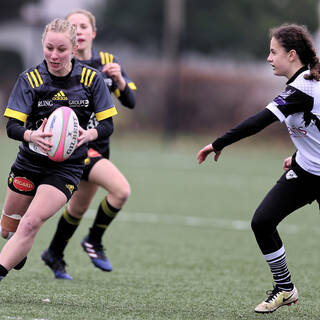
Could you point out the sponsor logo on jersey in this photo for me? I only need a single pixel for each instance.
(291, 175)
(23, 184)
(79, 103)
(45, 103)
(70, 187)
(60, 96)
(280, 100)
(297, 132)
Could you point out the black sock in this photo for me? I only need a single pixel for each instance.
(67, 225)
(105, 214)
(3, 272)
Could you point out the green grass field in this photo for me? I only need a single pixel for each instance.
(182, 247)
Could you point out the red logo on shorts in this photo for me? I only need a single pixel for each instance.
(23, 184)
(93, 153)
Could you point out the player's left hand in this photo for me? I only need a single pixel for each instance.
(113, 70)
(204, 152)
(86, 136)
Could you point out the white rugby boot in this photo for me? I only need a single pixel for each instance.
(276, 299)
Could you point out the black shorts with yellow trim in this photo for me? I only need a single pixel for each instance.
(93, 157)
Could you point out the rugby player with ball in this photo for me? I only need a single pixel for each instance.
(37, 185)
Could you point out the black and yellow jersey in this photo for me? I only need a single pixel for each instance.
(37, 93)
(97, 61)
(126, 97)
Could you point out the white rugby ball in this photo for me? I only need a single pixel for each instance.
(63, 123)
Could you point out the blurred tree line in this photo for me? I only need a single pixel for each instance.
(212, 27)
(175, 96)
(179, 97)
(10, 9)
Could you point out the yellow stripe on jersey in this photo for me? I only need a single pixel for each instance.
(106, 57)
(132, 86)
(28, 76)
(106, 113)
(9, 113)
(103, 60)
(91, 78)
(82, 74)
(38, 75)
(85, 76)
(34, 78)
(117, 93)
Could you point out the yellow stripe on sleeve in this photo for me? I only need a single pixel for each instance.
(28, 76)
(38, 75)
(105, 114)
(87, 76)
(91, 78)
(82, 74)
(103, 60)
(34, 79)
(9, 113)
(117, 93)
(132, 86)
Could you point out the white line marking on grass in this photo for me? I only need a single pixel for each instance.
(155, 218)
(19, 318)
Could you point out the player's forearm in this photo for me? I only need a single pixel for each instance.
(245, 129)
(128, 97)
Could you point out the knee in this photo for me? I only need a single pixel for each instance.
(29, 226)
(261, 223)
(123, 193)
(77, 210)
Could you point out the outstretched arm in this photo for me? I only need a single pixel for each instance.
(248, 127)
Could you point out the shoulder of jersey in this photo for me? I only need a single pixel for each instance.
(88, 74)
(34, 76)
(303, 84)
(106, 57)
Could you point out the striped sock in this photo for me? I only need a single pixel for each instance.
(67, 226)
(278, 266)
(105, 215)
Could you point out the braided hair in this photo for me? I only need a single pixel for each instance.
(297, 37)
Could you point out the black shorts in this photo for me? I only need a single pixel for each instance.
(28, 173)
(93, 157)
(26, 183)
(295, 189)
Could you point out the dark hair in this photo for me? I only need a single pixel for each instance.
(297, 37)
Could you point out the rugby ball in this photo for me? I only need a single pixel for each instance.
(63, 123)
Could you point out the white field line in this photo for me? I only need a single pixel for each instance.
(17, 318)
(155, 218)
